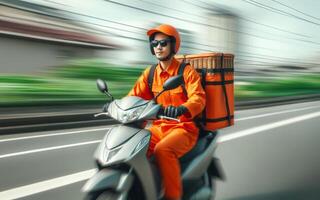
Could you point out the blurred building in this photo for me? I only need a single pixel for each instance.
(34, 37)
(223, 39)
(209, 31)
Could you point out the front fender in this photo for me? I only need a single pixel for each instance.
(108, 179)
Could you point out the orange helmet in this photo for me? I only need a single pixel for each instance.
(167, 30)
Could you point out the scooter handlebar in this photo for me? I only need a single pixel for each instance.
(162, 116)
(170, 118)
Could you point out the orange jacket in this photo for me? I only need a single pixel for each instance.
(195, 102)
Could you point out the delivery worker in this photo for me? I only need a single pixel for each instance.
(171, 139)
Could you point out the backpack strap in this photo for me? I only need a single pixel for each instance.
(224, 89)
(150, 77)
(180, 71)
(203, 83)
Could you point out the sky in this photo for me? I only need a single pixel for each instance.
(268, 31)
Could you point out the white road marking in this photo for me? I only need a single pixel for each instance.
(265, 127)
(48, 149)
(276, 113)
(81, 176)
(221, 139)
(42, 186)
(52, 134)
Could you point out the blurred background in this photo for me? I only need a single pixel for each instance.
(52, 51)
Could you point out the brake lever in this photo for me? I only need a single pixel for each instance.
(103, 113)
(170, 118)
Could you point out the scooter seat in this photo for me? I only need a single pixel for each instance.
(199, 148)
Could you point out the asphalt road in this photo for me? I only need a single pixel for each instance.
(270, 153)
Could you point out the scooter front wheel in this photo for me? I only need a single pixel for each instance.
(102, 195)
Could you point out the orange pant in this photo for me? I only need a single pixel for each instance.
(168, 145)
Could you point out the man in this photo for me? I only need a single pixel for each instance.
(170, 139)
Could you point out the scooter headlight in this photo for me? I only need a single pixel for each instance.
(130, 115)
(110, 154)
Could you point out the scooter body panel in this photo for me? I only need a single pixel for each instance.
(108, 179)
(132, 152)
(143, 170)
(124, 148)
(199, 165)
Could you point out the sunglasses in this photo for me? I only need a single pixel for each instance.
(163, 43)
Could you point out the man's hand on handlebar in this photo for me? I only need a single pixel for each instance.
(174, 112)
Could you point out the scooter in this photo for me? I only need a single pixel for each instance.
(125, 172)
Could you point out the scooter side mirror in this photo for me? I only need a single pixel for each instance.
(102, 86)
(173, 82)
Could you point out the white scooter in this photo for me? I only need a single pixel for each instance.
(125, 172)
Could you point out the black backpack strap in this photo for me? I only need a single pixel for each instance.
(180, 71)
(203, 83)
(151, 76)
(224, 89)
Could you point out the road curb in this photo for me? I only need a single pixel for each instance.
(250, 104)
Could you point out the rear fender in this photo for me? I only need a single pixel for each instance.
(215, 169)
